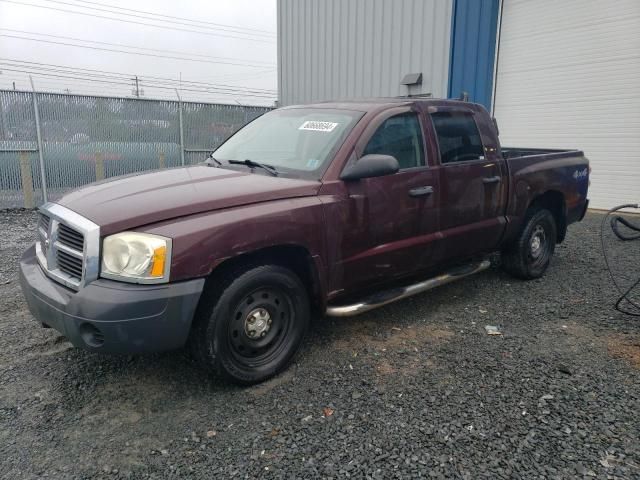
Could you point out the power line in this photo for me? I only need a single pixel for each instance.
(148, 83)
(220, 26)
(121, 45)
(227, 76)
(45, 85)
(66, 83)
(99, 92)
(115, 75)
(80, 86)
(67, 44)
(55, 86)
(201, 90)
(136, 22)
(31, 72)
(83, 87)
(179, 18)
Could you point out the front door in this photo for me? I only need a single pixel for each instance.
(389, 218)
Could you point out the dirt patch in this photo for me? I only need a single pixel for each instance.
(404, 366)
(266, 387)
(417, 335)
(385, 342)
(360, 336)
(578, 330)
(626, 347)
(384, 367)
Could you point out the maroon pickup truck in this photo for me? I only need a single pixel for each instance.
(333, 208)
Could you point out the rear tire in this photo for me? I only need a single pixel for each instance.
(250, 323)
(529, 255)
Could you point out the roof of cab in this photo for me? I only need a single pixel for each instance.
(369, 104)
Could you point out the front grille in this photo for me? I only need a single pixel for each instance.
(69, 264)
(67, 246)
(70, 237)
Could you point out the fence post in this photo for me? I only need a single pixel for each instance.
(161, 161)
(99, 166)
(181, 128)
(39, 135)
(3, 121)
(27, 180)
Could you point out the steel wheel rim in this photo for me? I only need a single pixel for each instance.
(538, 253)
(259, 342)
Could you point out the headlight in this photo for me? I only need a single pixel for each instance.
(136, 257)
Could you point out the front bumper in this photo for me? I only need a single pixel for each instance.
(109, 316)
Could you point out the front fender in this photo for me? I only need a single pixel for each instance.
(203, 241)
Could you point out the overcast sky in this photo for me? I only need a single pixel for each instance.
(227, 48)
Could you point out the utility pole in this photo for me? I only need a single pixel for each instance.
(14, 85)
(136, 90)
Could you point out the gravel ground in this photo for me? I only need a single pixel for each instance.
(415, 389)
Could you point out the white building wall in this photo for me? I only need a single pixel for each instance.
(332, 49)
(567, 77)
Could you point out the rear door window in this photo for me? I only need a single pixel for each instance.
(458, 137)
(401, 137)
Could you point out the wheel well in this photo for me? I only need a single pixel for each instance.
(294, 257)
(554, 202)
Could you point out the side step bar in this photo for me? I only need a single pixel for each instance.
(383, 298)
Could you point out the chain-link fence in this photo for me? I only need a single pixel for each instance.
(52, 143)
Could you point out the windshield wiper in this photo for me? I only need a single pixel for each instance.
(252, 164)
(210, 159)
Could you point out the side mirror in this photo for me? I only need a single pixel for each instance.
(371, 166)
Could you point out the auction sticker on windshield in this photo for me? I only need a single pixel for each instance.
(318, 126)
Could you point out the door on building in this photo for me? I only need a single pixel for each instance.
(567, 77)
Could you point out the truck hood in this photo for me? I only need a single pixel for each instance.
(137, 200)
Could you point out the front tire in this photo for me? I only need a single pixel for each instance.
(251, 323)
(529, 255)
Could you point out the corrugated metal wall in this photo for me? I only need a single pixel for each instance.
(331, 49)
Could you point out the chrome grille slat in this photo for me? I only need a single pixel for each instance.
(69, 237)
(69, 251)
(79, 246)
(67, 246)
(72, 263)
(69, 265)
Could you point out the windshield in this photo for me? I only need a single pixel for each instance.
(298, 140)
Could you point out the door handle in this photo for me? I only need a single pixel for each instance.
(421, 191)
(495, 179)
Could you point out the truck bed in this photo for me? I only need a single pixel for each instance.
(542, 153)
(533, 172)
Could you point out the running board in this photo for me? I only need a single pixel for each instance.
(383, 298)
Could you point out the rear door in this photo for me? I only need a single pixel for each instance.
(472, 182)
